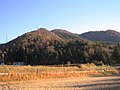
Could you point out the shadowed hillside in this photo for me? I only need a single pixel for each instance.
(107, 36)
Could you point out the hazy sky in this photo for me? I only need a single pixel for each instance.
(20, 16)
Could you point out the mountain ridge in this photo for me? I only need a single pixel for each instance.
(60, 34)
(105, 36)
(67, 35)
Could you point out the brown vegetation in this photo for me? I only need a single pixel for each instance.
(18, 73)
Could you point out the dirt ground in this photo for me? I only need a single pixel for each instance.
(72, 83)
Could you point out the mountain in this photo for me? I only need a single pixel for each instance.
(66, 34)
(107, 36)
(41, 35)
(34, 48)
(44, 47)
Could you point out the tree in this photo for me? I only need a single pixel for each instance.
(116, 54)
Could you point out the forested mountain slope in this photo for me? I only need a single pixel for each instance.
(44, 47)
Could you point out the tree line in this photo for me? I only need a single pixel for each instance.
(53, 52)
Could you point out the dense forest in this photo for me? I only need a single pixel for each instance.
(43, 47)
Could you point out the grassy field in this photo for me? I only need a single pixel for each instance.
(23, 73)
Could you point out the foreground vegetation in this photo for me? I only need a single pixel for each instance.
(18, 73)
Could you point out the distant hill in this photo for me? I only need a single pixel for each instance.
(107, 36)
(66, 34)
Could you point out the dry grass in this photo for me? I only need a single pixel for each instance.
(19, 73)
(70, 83)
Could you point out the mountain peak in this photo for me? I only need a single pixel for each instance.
(60, 30)
(41, 31)
(66, 34)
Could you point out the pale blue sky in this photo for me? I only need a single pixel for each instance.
(77, 16)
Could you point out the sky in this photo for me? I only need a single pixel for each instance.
(78, 16)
